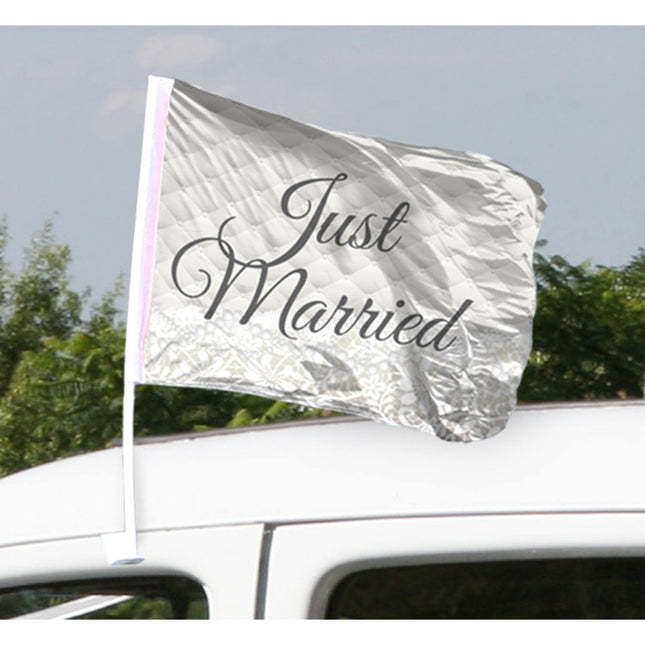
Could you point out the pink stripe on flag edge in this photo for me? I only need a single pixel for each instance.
(152, 211)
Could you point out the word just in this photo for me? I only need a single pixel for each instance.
(316, 315)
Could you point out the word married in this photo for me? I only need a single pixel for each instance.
(317, 315)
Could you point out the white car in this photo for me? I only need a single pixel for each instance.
(342, 518)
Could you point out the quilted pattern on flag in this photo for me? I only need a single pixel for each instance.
(339, 271)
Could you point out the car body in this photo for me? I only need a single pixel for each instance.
(270, 520)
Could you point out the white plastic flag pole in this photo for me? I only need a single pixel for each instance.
(121, 548)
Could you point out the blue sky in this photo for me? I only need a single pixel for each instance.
(563, 105)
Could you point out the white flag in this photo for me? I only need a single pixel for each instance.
(338, 271)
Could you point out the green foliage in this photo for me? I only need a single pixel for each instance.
(64, 397)
(588, 333)
(168, 410)
(36, 304)
(255, 410)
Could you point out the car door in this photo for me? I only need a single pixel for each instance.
(505, 566)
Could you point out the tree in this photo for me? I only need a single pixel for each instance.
(38, 303)
(64, 397)
(588, 333)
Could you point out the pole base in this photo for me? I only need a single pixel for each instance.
(120, 548)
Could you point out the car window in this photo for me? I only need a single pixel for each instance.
(168, 597)
(536, 589)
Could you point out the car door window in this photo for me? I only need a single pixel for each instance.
(167, 597)
(537, 589)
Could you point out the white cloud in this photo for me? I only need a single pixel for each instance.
(166, 54)
(121, 112)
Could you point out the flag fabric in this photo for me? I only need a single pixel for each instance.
(333, 270)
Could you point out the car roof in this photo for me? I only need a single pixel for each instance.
(549, 458)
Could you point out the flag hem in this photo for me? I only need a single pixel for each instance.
(145, 232)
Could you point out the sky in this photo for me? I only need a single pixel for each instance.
(561, 104)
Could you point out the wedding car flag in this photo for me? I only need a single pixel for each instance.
(329, 269)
